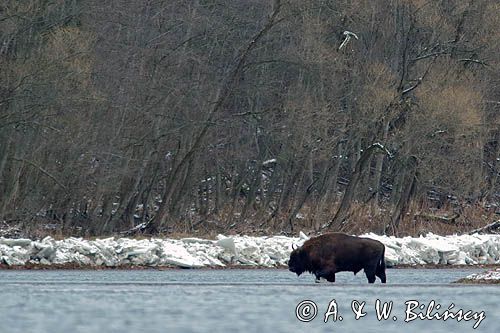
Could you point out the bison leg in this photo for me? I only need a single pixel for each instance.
(381, 274)
(329, 275)
(370, 273)
(374, 268)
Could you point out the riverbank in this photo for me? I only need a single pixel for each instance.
(237, 251)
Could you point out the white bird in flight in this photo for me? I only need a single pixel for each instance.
(348, 35)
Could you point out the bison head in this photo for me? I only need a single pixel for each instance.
(298, 261)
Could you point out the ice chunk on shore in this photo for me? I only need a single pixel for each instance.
(265, 251)
(490, 276)
(15, 242)
(227, 243)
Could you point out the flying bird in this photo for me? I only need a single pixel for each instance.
(348, 35)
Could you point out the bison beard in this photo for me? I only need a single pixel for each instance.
(330, 253)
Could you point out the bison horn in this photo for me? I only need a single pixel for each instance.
(294, 247)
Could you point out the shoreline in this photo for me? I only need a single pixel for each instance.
(476, 282)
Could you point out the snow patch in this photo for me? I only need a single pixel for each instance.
(493, 275)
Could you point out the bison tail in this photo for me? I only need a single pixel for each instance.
(381, 263)
(380, 271)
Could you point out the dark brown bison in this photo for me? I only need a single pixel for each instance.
(330, 253)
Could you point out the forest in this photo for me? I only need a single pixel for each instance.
(249, 116)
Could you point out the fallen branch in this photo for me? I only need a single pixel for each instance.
(451, 220)
(489, 228)
(140, 228)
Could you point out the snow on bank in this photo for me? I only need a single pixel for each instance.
(239, 250)
(488, 277)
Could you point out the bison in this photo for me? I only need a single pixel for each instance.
(330, 253)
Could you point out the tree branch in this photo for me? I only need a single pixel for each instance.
(42, 170)
(343, 209)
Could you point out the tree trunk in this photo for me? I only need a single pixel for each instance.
(343, 210)
(224, 92)
(379, 166)
(409, 186)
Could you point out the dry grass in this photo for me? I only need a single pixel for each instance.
(419, 220)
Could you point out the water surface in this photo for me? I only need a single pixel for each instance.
(231, 301)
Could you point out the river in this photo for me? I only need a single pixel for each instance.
(236, 300)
